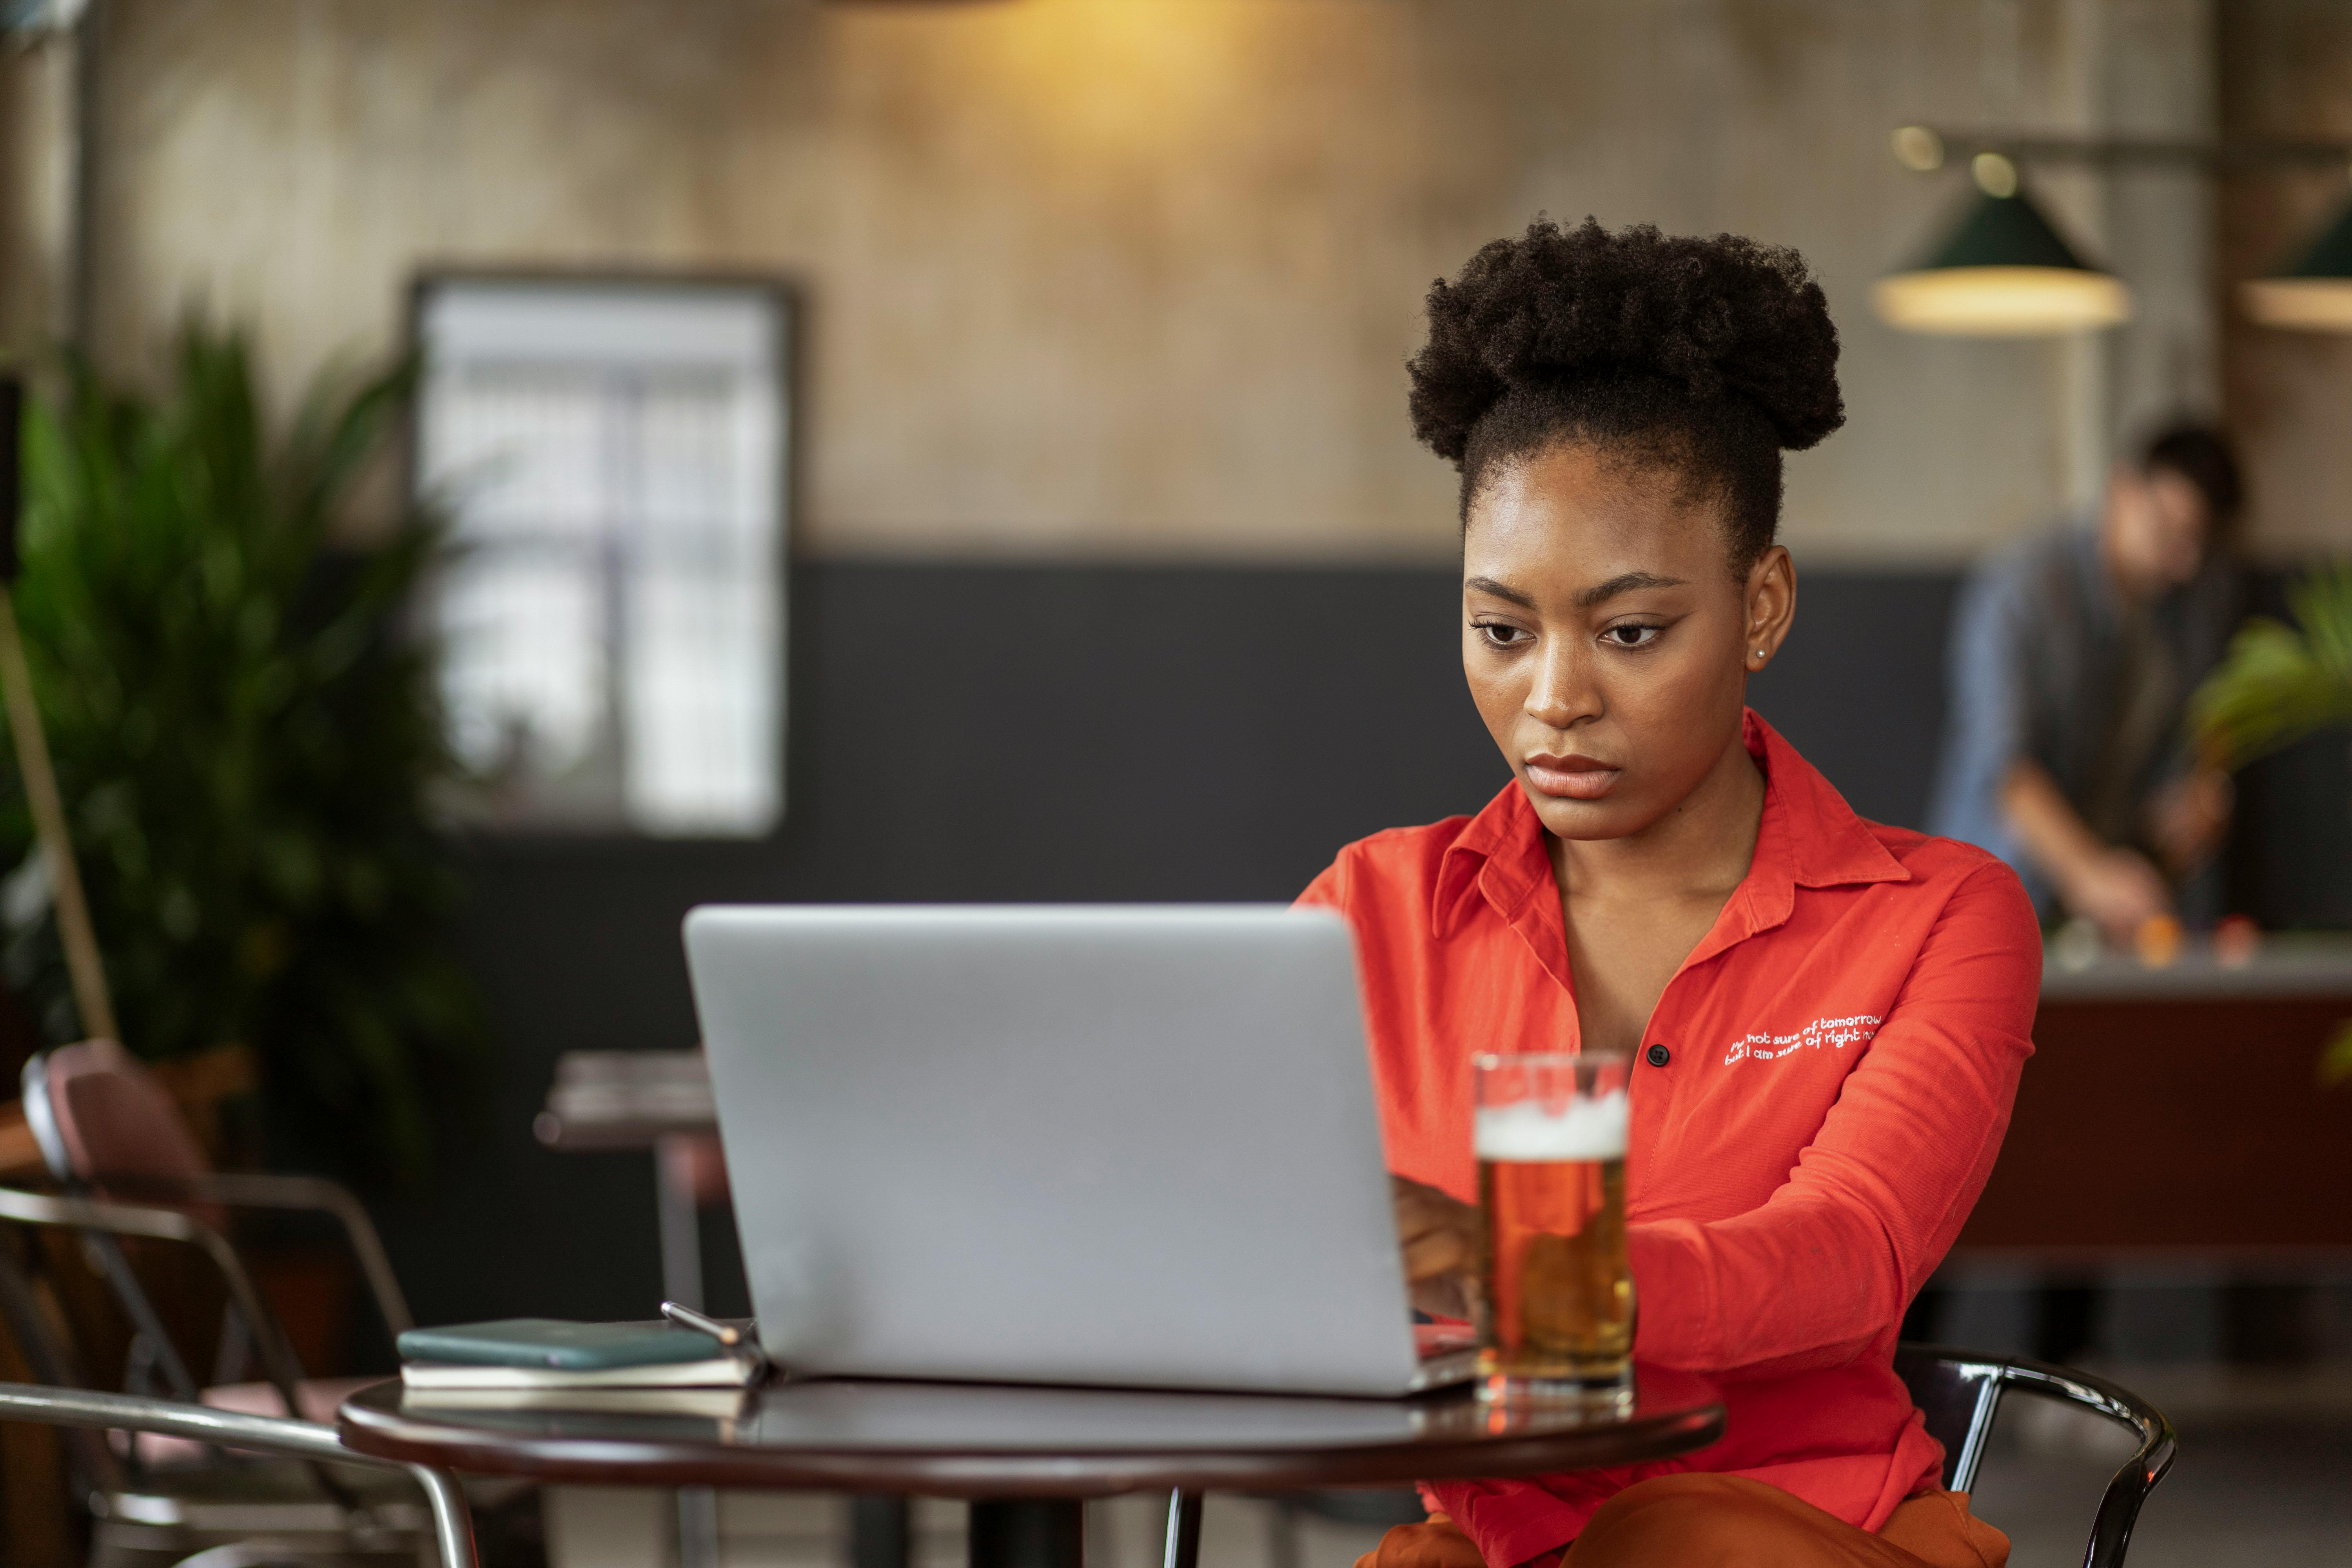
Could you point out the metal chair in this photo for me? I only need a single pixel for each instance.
(145, 1513)
(107, 1131)
(453, 1531)
(1959, 1392)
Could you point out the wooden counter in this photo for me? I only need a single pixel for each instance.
(2180, 1109)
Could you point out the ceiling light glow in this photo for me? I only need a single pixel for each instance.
(2315, 293)
(2002, 272)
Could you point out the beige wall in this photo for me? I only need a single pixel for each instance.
(1137, 278)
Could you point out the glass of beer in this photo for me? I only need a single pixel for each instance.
(1555, 1307)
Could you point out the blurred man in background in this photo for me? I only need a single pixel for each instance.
(2073, 656)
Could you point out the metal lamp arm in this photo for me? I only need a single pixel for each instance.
(314, 1194)
(452, 1524)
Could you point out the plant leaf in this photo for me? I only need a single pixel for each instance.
(245, 736)
(2278, 683)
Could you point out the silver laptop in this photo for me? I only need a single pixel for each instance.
(1128, 1145)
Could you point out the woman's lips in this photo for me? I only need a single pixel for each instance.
(1573, 776)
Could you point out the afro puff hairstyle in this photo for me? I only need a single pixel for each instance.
(1705, 357)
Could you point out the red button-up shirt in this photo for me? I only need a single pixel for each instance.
(1841, 1049)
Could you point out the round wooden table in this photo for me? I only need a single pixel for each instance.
(1027, 1457)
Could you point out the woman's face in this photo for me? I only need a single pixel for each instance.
(1606, 645)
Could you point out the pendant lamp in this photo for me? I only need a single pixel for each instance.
(2002, 272)
(2315, 294)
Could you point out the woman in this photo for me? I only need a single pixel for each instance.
(1828, 1015)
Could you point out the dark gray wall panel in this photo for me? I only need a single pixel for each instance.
(1122, 734)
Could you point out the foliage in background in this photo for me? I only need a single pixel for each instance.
(2335, 1061)
(2281, 682)
(243, 737)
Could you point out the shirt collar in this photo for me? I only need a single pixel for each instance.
(1808, 837)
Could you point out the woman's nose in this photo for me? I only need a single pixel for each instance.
(1562, 692)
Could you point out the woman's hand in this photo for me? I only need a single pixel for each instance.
(1439, 1235)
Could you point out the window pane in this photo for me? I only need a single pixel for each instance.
(612, 625)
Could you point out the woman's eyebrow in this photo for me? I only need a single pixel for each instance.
(1623, 582)
(1501, 591)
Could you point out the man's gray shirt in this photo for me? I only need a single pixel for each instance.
(2048, 662)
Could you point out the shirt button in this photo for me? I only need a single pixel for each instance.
(1659, 1056)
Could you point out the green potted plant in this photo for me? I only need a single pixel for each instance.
(2279, 683)
(244, 737)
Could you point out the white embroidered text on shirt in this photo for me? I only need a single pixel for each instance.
(1835, 1033)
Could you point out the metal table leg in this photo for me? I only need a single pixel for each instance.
(1183, 1530)
(881, 1532)
(681, 1221)
(697, 1526)
(681, 1258)
(1029, 1532)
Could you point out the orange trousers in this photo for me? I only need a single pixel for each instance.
(1727, 1521)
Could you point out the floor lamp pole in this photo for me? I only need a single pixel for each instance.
(82, 961)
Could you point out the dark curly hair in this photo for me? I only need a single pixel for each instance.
(1702, 356)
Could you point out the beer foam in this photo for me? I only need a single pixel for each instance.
(1583, 1130)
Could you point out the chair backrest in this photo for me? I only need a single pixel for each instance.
(1959, 1392)
(1958, 1395)
(97, 1113)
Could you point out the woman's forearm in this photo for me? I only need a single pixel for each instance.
(1826, 1265)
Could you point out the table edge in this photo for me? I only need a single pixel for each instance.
(1103, 1473)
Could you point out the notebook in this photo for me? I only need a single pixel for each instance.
(545, 1352)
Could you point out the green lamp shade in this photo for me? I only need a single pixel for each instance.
(2314, 295)
(2003, 272)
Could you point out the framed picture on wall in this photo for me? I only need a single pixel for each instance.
(613, 454)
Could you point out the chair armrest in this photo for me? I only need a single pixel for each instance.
(52, 1361)
(2119, 1508)
(314, 1194)
(278, 1361)
(279, 1366)
(453, 1528)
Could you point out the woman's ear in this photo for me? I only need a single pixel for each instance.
(1767, 606)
